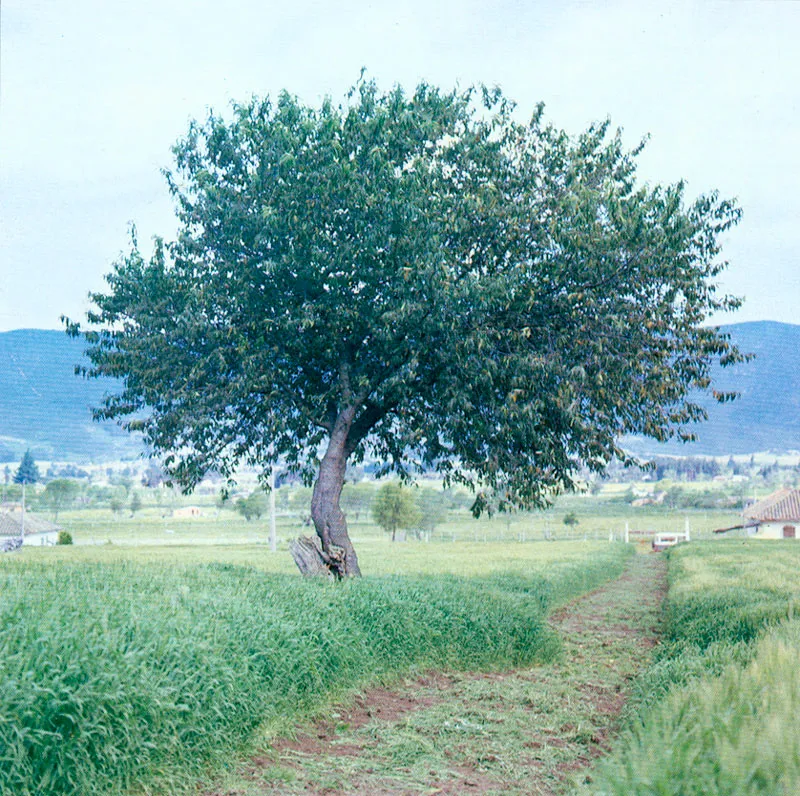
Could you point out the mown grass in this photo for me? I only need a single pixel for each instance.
(120, 675)
(719, 711)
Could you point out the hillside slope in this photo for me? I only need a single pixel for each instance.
(766, 416)
(44, 406)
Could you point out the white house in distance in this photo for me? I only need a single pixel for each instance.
(37, 530)
(775, 517)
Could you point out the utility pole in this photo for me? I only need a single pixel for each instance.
(273, 537)
(22, 520)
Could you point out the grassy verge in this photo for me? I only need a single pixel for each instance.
(120, 675)
(718, 710)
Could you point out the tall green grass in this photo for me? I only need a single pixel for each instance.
(737, 733)
(122, 676)
(719, 710)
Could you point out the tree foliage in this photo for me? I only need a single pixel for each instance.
(432, 508)
(253, 506)
(394, 508)
(61, 493)
(28, 470)
(419, 277)
(136, 503)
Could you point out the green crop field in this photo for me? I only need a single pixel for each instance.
(599, 517)
(144, 667)
(719, 711)
(154, 649)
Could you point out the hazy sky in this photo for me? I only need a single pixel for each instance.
(94, 92)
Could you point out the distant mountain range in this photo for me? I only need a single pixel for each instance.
(44, 406)
(766, 416)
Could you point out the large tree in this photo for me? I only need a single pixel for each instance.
(421, 277)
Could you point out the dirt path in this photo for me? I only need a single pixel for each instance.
(522, 732)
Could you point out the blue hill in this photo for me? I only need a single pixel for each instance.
(46, 407)
(766, 416)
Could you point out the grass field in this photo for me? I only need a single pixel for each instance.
(140, 667)
(151, 650)
(599, 516)
(719, 712)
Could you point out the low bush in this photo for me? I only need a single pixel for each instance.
(64, 537)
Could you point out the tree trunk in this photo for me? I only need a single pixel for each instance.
(337, 553)
(308, 556)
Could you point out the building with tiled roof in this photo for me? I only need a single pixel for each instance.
(38, 531)
(777, 516)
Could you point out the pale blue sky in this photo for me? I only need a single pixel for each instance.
(94, 92)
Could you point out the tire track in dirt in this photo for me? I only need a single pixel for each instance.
(527, 731)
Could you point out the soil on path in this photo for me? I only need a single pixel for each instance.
(530, 731)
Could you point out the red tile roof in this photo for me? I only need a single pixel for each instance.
(779, 506)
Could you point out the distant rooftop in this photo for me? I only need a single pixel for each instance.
(11, 521)
(783, 505)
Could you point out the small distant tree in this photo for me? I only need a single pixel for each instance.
(570, 519)
(357, 498)
(253, 506)
(27, 473)
(221, 501)
(153, 476)
(136, 503)
(394, 508)
(61, 493)
(432, 508)
(675, 497)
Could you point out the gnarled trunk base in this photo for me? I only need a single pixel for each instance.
(311, 559)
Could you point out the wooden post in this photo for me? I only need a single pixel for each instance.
(627, 533)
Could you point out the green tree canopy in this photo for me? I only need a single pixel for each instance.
(136, 503)
(28, 470)
(253, 506)
(60, 493)
(394, 508)
(432, 508)
(419, 277)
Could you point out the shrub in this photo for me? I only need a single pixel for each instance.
(64, 537)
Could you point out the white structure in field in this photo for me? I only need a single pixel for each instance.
(37, 530)
(188, 511)
(775, 517)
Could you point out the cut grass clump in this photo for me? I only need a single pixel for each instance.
(121, 676)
